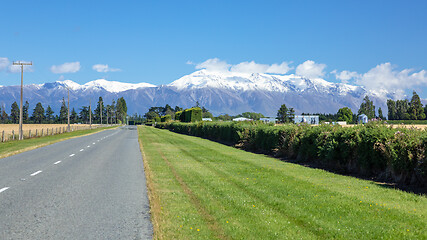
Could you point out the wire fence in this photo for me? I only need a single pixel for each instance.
(11, 135)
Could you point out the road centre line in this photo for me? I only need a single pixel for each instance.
(34, 174)
(57, 162)
(88, 146)
(81, 150)
(4, 189)
(72, 155)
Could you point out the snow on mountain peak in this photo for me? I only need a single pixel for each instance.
(257, 81)
(110, 86)
(70, 84)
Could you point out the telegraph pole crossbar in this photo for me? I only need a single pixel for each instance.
(21, 135)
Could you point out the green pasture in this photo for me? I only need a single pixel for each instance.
(201, 189)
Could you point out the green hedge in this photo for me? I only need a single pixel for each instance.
(166, 118)
(371, 149)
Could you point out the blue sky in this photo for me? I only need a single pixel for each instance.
(377, 44)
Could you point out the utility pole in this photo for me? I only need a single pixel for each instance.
(21, 134)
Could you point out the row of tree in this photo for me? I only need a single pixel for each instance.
(407, 110)
(111, 113)
(157, 112)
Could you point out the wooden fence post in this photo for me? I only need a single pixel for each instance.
(52, 131)
(29, 133)
(42, 132)
(2, 136)
(13, 134)
(36, 132)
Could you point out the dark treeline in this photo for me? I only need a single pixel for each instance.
(406, 110)
(111, 113)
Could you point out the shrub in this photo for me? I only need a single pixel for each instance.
(371, 149)
(166, 118)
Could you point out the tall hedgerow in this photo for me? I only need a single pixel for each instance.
(371, 149)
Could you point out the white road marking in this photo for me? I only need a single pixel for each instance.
(98, 140)
(72, 155)
(4, 189)
(88, 146)
(81, 150)
(34, 174)
(57, 162)
(93, 143)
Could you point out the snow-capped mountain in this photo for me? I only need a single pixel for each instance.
(220, 92)
(110, 86)
(259, 82)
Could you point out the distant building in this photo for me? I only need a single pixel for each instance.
(240, 119)
(362, 118)
(268, 120)
(309, 119)
(207, 119)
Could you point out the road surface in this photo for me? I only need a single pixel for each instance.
(91, 187)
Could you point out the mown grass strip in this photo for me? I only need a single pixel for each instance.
(14, 147)
(251, 196)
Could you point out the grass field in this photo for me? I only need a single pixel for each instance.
(15, 147)
(8, 128)
(200, 189)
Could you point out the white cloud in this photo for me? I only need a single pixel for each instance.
(345, 75)
(70, 67)
(214, 65)
(4, 62)
(310, 69)
(384, 76)
(280, 69)
(252, 67)
(217, 65)
(104, 68)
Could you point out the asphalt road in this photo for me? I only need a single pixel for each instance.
(91, 187)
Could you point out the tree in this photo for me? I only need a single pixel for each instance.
(98, 112)
(63, 112)
(416, 111)
(367, 107)
(38, 114)
(74, 118)
(402, 107)
(84, 114)
(3, 115)
(177, 109)
(283, 114)
(121, 109)
(252, 115)
(391, 106)
(151, 115)
(168, 110)
(345, 114)
(14, 113)
(50, 118)
(113, 112)
(380, 113)
(291, 114)
(25, 112)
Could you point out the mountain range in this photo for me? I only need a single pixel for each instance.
(229, 92)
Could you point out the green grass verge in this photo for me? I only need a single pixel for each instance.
(201, 189)
(14, 147)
